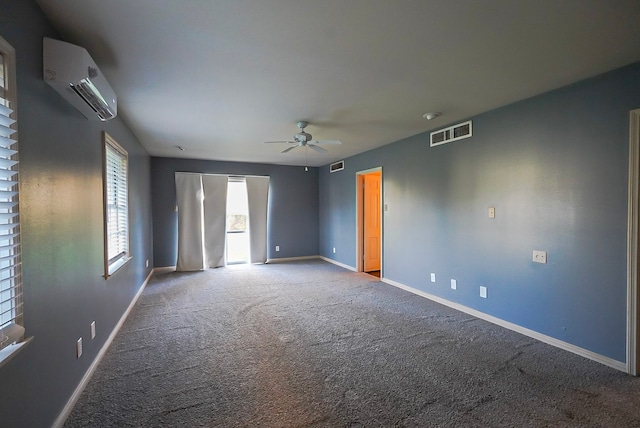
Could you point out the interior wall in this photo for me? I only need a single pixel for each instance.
(292, 219)
(62, 232)
(555, 168)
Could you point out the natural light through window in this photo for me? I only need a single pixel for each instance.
(237, 221)
(11, 308)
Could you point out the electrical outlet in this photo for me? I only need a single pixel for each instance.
(334, 250)
(146, 264)
(79, 348)
(454, 284)
(433, 277)
(539, 256)
(277, 247)
(492, 212)
(92, 329)
(483, 292)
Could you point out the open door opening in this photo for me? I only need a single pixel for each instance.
(369, 221)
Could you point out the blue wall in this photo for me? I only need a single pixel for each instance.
(292, 220)
(61, 205)
(555, 167)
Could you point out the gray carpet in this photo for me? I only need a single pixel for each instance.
(310, 344)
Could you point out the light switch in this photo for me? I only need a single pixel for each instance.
(483, 292)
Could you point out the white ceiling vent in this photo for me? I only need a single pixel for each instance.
(452, 133)
(336, 166)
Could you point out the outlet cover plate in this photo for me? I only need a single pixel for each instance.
(79, 348)
(483, 291)
(539, 256)
(454, 284)
(433, 277)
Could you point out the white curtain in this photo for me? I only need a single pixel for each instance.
(202, 218)
(215, 218)
(189, 197)
(258, 195)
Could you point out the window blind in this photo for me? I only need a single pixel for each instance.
(11, 329)
(117, 218)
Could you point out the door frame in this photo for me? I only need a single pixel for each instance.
(359, 218)
(633, 245)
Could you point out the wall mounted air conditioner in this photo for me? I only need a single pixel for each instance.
(70, 70)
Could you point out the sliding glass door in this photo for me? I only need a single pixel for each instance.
(237, 221)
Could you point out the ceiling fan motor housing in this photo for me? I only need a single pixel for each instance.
(302, 137)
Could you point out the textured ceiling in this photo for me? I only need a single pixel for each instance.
(221, 77)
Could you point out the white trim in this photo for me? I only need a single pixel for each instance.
(62, 417)
(290, 259)
(632, 243)
(342, 265)
(618, 365)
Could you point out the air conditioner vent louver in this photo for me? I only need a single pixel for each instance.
(97, 103)
(452, 133)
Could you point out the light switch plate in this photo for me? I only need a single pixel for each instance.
(539, 256)
(483, 292)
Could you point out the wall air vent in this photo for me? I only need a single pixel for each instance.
(452, 133)
(336, 166)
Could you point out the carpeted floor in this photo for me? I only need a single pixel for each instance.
(309, 344)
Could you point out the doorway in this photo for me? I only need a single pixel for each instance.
(369, 221)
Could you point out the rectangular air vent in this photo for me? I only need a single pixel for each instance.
(452, 133)
(336, 166)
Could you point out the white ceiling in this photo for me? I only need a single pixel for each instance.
(220, 77)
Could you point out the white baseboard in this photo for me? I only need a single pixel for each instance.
(290, 259)
(519, 329)
(327, 259)
(62, 417)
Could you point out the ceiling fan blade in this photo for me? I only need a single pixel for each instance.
(326, 142)
(288, 148)
(278, 142)
(317, 148)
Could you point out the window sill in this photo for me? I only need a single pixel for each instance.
(113, 268)
(11, 351)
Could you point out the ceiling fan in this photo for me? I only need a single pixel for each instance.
(304, 139)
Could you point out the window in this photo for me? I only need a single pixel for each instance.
(11, 323)
(116, 206)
